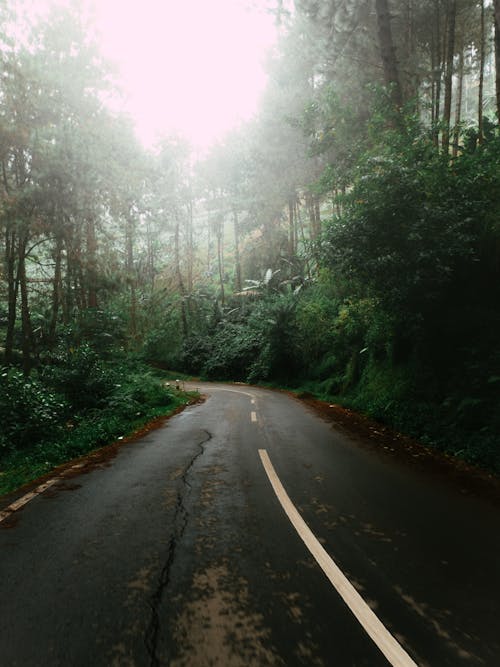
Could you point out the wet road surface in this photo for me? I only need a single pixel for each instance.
(179, 551)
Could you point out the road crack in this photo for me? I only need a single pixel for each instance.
(181, 517)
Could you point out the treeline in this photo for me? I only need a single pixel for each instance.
(346, 241)
(77, 237)
(367, 191)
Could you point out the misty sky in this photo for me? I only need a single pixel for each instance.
(195, 66)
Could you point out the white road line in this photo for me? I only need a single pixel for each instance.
(253, 416)
(390, 647)
(21, 502)
(235, 391)
(24, 500)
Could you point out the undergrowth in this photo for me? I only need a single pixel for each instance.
(432, 423)
(19, 467)
(76, 403)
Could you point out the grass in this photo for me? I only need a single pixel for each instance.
(18, 467)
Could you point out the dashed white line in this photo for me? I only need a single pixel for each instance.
(24, 500)
(390, 647)
(253, 416)
(236, 391)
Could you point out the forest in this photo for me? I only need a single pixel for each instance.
(344, 243)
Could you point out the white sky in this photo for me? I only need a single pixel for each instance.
(191, 66)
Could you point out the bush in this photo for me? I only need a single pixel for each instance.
(195, 352)
(81, 377)
(158, 348)
(274, 326)
(137, 392)
(28, 412)
(235, 348)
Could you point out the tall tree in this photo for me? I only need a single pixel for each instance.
(450, 52)
(458, 103)
(496, 10)
(388, 52)
(480, 96)
(496, 5)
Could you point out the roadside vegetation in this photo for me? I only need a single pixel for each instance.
(76, 403)
(345, 243)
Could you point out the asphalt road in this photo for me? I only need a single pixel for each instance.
(178, 551)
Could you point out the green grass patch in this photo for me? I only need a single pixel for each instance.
(77, 438)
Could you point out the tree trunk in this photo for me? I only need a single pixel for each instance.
(410, 78)
(131, 276)
(291, 231)
(311, 211)
(150, 261)
(27, 345)
(437, 72)
(458, 107)
(67, 293)
(387, 52)
(180, 281)
(300, 226)
(91, 277)
(56, 290)
(296, 225)
(12, 291)
(481, 79)
(496, 8)
(190, 247)
(237, 259)
(450, 50)
(220, 259)
(496, 5)
(317, 216)
(74, 292)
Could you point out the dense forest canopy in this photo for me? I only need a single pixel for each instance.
(345, 241)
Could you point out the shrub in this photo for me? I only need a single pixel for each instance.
(28, 412)
(235, 348)
(137, 391)
(82, 377)
(195, 351)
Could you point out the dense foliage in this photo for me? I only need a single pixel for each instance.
(401, 322)
(73, 404)
(346, 241)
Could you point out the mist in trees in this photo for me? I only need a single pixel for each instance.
(346, 241)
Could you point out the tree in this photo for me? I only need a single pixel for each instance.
(450, 52)
(496, 6)
(172, 205)
(480, 101)
(387, 52)
(60, 155)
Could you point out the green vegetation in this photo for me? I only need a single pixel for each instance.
(46, 421)
(401, 320)
(346, 241)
